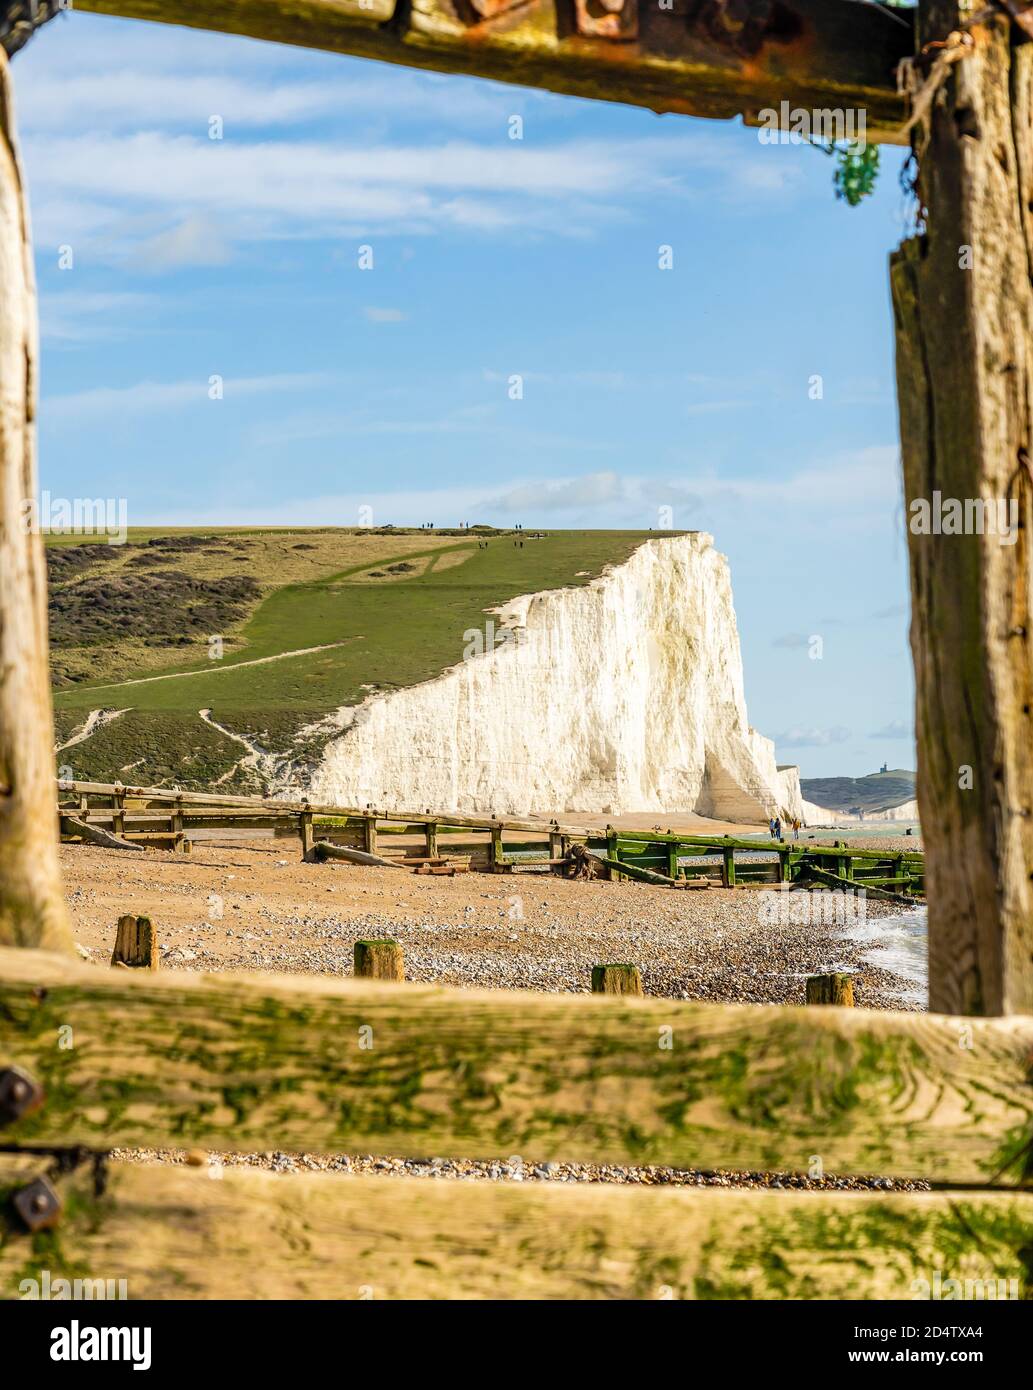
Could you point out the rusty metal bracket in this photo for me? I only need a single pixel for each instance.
(20, 1094)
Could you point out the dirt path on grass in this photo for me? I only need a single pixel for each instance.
(216, 668)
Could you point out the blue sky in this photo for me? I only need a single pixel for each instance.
(643, 388)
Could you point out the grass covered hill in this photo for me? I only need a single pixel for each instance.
(268, 631)
(879, 791)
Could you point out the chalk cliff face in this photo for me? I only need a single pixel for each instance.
(624, 695)
(821, 815)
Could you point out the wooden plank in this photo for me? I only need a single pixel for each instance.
(94, 835)
(963, 306)
(621, 868)
(173, 1232)
(235, 1061)
(32, 906)
(810, 53)
(450, 823)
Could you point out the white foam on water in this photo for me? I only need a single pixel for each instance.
(898, 944)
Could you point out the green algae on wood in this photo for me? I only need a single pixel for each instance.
(172, 1232)
(231, 1062)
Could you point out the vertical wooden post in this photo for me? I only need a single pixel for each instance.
(837, 988)
(369, 832)
(963, 305)
(176, 823)
(308, 839)
(379, 960)
(430, 834)
(136, 943)
(32, 908)
(612, 840)
(495, 851)
(616, 979)
(118, 812)
(728, 867)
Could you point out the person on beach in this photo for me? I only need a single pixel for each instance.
(771, 826)
(778, 828)
(796, 828)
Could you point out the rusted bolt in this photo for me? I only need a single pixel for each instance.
(39, 1205)
(20, 1094)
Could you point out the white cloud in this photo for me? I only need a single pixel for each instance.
(79, 316)
(194, 241)
(896, 728)
(812, 738)
(573, 494)
(145, 397)
(314, 146)
(375, 315)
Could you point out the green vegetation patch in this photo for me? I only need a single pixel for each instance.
(877, 792)
(400, 612)
(154, 749)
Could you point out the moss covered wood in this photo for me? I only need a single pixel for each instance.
(963, 301)
(229, 1062)
(379, 960)
(172, 1232)
(32, 908)
(401, 822)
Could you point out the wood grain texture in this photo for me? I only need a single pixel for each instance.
(179, 1233)
(32, 909)
(964, 330)
(814, 54)
(362, 1066)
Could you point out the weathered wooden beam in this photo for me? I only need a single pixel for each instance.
(323, 849)
(32, 908)
(835, 988)
(230, 1062)
(379, 960)
(94, 835)
(617, 979)
(687, 56)
(454, 823)
(963, 303)
(136, 943)
(173, 1232)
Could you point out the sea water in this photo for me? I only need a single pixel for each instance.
(898, 944)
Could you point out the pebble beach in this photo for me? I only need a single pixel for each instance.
(257, 907)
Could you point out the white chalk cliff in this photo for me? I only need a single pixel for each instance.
(623, 695)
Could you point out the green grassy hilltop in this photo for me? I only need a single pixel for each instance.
(133, 629)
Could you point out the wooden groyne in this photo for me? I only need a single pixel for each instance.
(446, 842)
